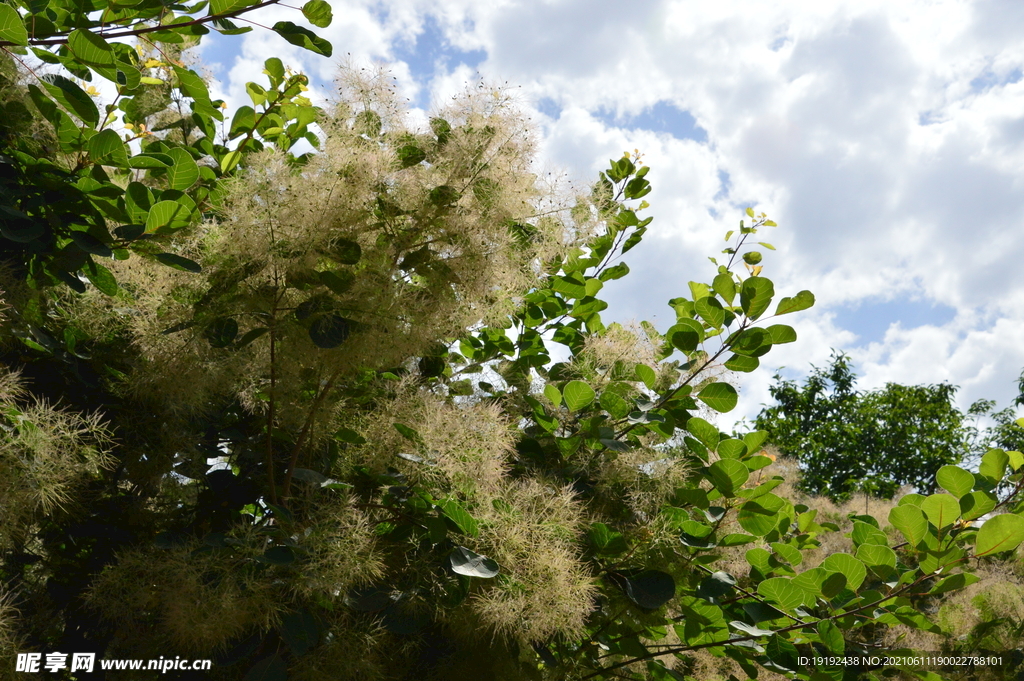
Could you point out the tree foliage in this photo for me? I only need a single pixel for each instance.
(871, 441)
(301, 413)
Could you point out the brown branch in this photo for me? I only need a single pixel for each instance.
(716, 644)
(62, 40)
(306, 428)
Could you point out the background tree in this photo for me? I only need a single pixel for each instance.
(876, 441)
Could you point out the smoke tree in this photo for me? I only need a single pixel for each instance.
(300, 413)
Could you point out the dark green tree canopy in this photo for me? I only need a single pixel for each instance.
(876, 441)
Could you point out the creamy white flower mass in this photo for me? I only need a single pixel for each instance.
(885, 138)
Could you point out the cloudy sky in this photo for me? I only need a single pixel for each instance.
(885, 138)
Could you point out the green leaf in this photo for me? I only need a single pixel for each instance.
(875, 555)
(650, 589)
(782, 591)
(457, 514)
(721, 397)
(100, 277)
(185, 171)
(569, 286)
(866, 533)
(1000, 533)
(741, 363)
(346, 251)
(178, 262)
(954, 583)
(221, 332)
(221, 7)
(780, 333)
(993, 465)
(725, 286)
(90, 49)
(409, 155)
(760, 516)
(339, 282)
(12, 28)
(471, 564)
(162, 214)
(552, 393)
(607, 540)
(577, 395)
(329, 331)
(646, 374)
(910, 521)
(942, 509)
(831, 636)
(303, 37)
(728, 475)
(847, 565)
(704, 431)
(755, 296)
(150, 161)
(800, 301)
(318, 13)
(407, 432)
(711, 311)
(955, 480)
(71, 97)
(976, 504)
(106, 148)
(685, 335)
(300, 631)
(615, 404)
(193, 86)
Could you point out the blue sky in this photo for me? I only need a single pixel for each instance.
(886, 139)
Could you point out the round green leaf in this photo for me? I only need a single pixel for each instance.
(728, 475)
(162, 214)
(781, 591)
(577, 395)
(910, 521)
(942, 509)
(650, 589)
(12, 28)
(318, 13)
(646, 374)
(100, 277)
(185, 171)
(976, 504)
(704, 431)
(1000, 533)
(221, 332)
(711, 311)
(760, 516)
(955, 480)
(346, 251)
(831, 636)
(873, 554)
(756, 295)
(178, 262)
(470, 564)
(90, 49)
(848, 565)
(721, 397)
(329, 331)
(107, 148)
(552, 393)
